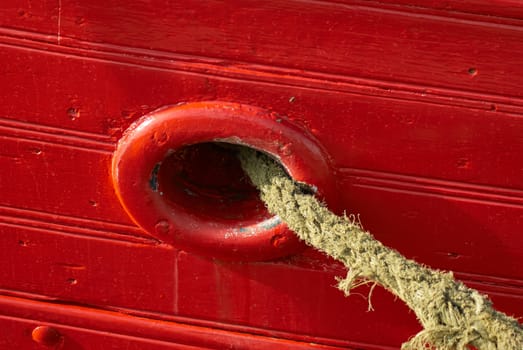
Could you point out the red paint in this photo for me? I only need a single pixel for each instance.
(154, 178)
(415, 105)
(46, 336)
(73, 326)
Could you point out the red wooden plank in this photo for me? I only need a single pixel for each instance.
(158, 282)
(346, 39)
(459, 53)
(455, 142)
(17, 334)
(33, 15)
(449, 229)
(89, 328)
(283, 297)
(86, 270)
(26, 162)
(292, 298)
(491, 9)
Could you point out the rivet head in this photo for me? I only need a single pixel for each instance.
(45, 335)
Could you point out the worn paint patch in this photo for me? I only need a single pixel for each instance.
(253, 230)
(153, 180)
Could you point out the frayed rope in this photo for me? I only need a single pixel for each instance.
(453, 315)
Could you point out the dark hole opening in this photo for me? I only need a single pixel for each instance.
(206, 180)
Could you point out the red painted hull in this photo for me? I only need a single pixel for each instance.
(417, 106)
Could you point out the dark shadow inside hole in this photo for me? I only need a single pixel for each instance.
(206, 180)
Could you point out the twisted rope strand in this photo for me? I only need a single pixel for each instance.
(453, 315)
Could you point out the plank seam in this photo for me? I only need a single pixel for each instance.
(281, 76)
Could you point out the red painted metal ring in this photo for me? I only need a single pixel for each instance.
(154, 137)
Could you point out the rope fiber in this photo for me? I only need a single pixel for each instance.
(453, 316)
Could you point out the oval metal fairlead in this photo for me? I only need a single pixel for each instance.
(176, 174)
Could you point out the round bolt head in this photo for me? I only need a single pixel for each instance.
(45, 335)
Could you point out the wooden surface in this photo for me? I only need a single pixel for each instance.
(418, 105)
